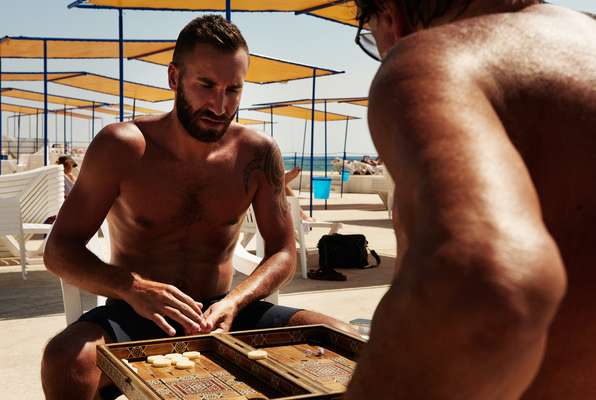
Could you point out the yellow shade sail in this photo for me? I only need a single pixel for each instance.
(33, 76)
(36, 96)
(303, 113)
(342, 12)
(73, 114)
(28, 47)
(261, 70)
(107, 85)
(203, 5)
(249, 121)
(317, 101)
(358, 102)
(14, 108)
(112, 110)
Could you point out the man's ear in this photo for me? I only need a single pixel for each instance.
(392, 18)
(173, 76)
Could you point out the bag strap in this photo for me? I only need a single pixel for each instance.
(376, 257)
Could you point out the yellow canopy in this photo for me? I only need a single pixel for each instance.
(303, 113)
(104, 84)
(112, 110)
(6, 107)
(358, 102)
(342, 12)
(249, 121)
(36, 96)
(317, 101)
(33, 76)
(203, 5)
(30, 47)
(73, 114)
(261, 70)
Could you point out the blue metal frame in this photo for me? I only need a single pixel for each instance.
(343, 162)
(312, 135)
(0, 115)
(121, 62)
(45, 103)
(325, 145)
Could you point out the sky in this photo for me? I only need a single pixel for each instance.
(303, 39)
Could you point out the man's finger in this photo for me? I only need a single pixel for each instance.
(174, 302)
(186, 299)
(162, 323)
(190, 327)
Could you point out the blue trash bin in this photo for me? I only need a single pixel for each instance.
(345, 176)
(321, 187)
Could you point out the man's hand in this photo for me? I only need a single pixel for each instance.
(221, 315)
(155, 301)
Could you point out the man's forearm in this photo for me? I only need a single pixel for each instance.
(265, 279)
(78, 266)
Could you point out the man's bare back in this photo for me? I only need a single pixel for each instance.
(186, 234)
(493, 153)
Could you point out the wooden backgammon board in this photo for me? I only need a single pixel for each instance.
(303, 362)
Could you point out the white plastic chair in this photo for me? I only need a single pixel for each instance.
(27, 199)
(303, 228)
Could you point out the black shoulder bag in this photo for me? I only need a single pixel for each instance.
(345, 251)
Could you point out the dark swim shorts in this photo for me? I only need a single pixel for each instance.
(123, 324)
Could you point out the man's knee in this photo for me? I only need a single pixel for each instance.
(69, 357)
(306, 317)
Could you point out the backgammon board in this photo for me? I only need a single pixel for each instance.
(304, 362)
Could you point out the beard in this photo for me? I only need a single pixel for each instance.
(190, 119)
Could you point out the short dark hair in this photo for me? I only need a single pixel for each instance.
(416, 12)
(210, 29)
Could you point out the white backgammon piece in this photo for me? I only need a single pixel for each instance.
(257, 354)
(184, 364)
(191, 355)
(173, 356)
(150, 359)
(179, 359)
(161, 362)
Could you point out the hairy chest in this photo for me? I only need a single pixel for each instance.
(178, 195)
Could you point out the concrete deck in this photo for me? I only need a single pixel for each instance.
(31, 311)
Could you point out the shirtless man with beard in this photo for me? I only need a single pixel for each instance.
(484, 112)
(175, 189)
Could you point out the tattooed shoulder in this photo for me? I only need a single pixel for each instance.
(269, 161)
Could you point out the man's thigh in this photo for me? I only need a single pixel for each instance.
(262, 315)
(122, 323)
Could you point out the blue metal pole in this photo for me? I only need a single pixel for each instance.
(0, 115)
(325, 103)
(45, 103)
(71, 130)
(343, 162)
(302, 157)
(18, 121)
(271, 118)
(134, 107)
(37, 131)
(93, 121)
(121, 64)
(312, 134)
(228, 10)
(64, 135)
